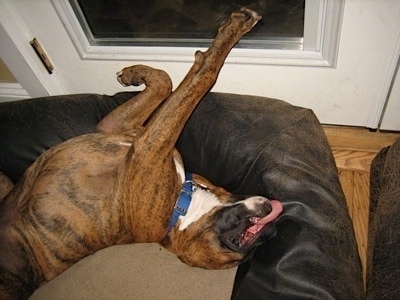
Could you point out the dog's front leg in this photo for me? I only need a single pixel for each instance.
(132, 114)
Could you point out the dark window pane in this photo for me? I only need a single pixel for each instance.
(185, 22)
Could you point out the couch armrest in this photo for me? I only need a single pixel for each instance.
(383, 257)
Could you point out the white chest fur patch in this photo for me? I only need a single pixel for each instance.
(202, 202)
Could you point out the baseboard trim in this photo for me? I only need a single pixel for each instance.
(12, 91)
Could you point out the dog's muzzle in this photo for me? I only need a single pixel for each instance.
(240, 229)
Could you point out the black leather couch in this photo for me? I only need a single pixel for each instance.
(383, 260)
(249, 145)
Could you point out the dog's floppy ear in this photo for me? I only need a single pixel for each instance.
(223, 195)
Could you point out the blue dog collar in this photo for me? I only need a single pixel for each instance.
(182, 203)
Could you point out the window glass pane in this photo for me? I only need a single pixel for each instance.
(187, 22)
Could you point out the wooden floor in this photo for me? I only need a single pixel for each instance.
(354, 149)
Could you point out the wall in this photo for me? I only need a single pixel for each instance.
(5, 74)
(353, 93)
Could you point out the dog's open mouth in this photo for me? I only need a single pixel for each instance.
(256, 229)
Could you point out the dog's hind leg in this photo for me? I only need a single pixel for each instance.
(132, 114)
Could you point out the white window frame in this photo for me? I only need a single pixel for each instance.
(320, 44)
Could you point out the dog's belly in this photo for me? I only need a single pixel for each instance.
(80, 171)
(66, 203)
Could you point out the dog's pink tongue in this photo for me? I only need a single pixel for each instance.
(277, 208)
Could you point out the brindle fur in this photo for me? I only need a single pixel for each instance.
(93, 191)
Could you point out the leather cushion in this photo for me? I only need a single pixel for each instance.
(29, 127)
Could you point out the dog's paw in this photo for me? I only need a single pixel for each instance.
(119, 78)
(126, 79)
(133, 75)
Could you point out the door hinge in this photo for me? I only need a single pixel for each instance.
(42, 55)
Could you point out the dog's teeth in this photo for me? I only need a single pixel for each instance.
(254, 220)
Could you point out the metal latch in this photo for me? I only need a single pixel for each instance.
(42, 55)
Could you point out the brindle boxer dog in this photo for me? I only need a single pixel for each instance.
(121, 186)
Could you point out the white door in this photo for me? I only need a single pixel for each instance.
(391, 115)
(16, 52)
(353, 91)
